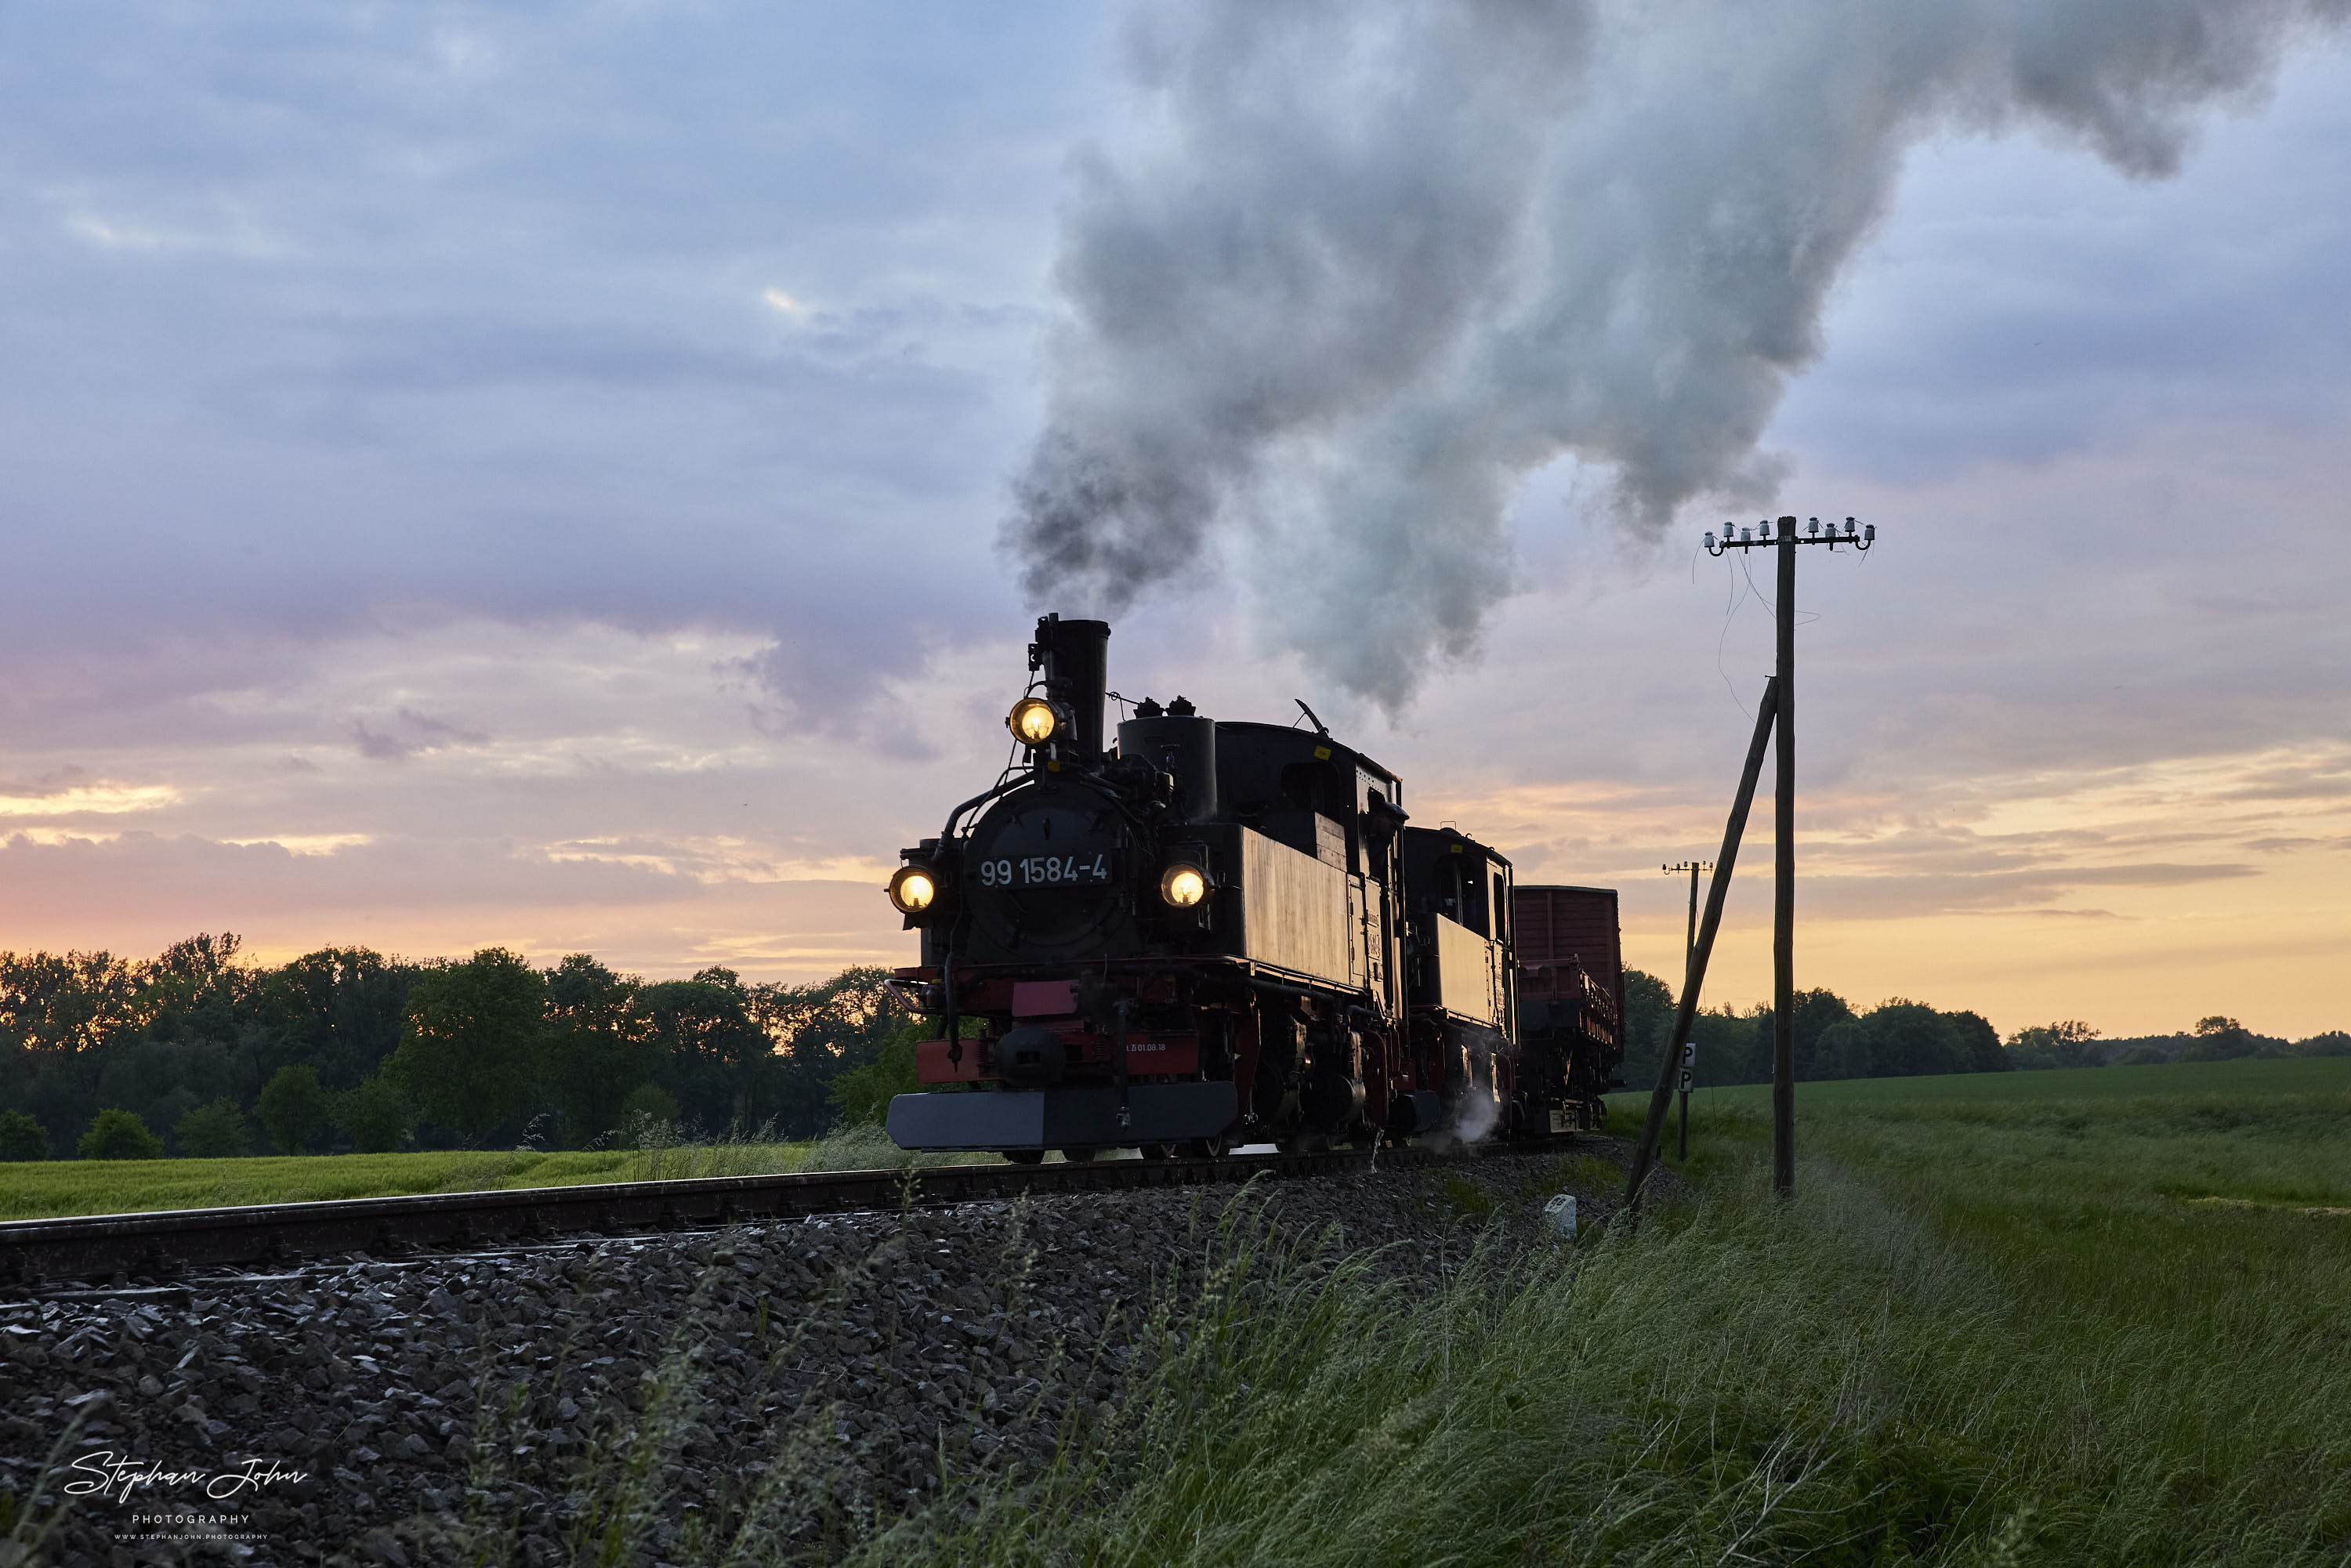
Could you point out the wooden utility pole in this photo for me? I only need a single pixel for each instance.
(1645, 1157)
(1783, 881)
(1783, 823)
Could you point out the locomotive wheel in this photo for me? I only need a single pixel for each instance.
(1025, 1156)
(1079, 1157)
(1202, 1148)
(1305, 1143)
(1155, 1151)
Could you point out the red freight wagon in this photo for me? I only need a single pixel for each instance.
(1572, 992)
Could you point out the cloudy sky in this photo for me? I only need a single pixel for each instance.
(538, 475)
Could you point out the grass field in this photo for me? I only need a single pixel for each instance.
(2292, 1075)
(2099, 1318)
(2062, 1318)
(43, 1188)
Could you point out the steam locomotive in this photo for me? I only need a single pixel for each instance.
(1212, 933)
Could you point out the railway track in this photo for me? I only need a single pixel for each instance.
(159, 1247)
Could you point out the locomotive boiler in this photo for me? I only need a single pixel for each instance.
(1195, 933)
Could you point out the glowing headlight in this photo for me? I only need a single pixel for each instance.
(1034, 721)
(914, 889)
(1184, 885)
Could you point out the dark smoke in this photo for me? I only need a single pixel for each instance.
(1372, 265)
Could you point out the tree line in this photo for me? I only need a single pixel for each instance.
(201, 1051)
(1899, 1038)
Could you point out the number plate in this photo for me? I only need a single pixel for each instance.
(1093, 870)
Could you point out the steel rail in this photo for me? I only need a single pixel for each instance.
(163, 1244)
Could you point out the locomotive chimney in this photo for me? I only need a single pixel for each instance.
(1075, 657)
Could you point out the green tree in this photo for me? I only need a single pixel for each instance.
(22, 1137)
(1817, 1012)
(337, 1008)
(597, 1048)
(212, 1131)
(1911, 1038)
(1648, 1020)
(1842, 1051)
(818, 1032)
(2220, 1039)
(1727, 1048)
(862, 1093)
(469, 1038)
(376, 1115)
(1979, 1042)
(649, 1102)
(2065, 1044)
(116, 1134)
(715, 1058)
(294, 1108)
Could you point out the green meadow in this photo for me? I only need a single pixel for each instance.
(2169, 1080)
(46, 1188)
(2099, 1317)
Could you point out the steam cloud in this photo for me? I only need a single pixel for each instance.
(1371, 266)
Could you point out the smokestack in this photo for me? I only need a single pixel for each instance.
(1075, 658)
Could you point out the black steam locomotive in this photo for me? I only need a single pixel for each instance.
(1214, 933)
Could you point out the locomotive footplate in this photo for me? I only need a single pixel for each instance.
(1061, 1118)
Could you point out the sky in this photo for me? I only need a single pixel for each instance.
(538, 475)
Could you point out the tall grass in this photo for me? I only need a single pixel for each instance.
(1834, 1382)
(1981, 1334)
(1846, 1379)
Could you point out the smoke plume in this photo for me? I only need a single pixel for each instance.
(1367, 266)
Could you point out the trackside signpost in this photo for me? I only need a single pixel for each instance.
(1690, 946)
(1690, 1081)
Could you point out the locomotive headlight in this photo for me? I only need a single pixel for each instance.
(1033, 720)
(914, 889)
(1184, 885)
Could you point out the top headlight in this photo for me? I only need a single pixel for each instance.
(914, 889)
(1033, 721)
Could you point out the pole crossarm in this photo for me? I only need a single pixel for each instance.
(1759, 537)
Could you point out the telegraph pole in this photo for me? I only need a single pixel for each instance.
(1784, 822)
(1645, 1155)
(1690, 958)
